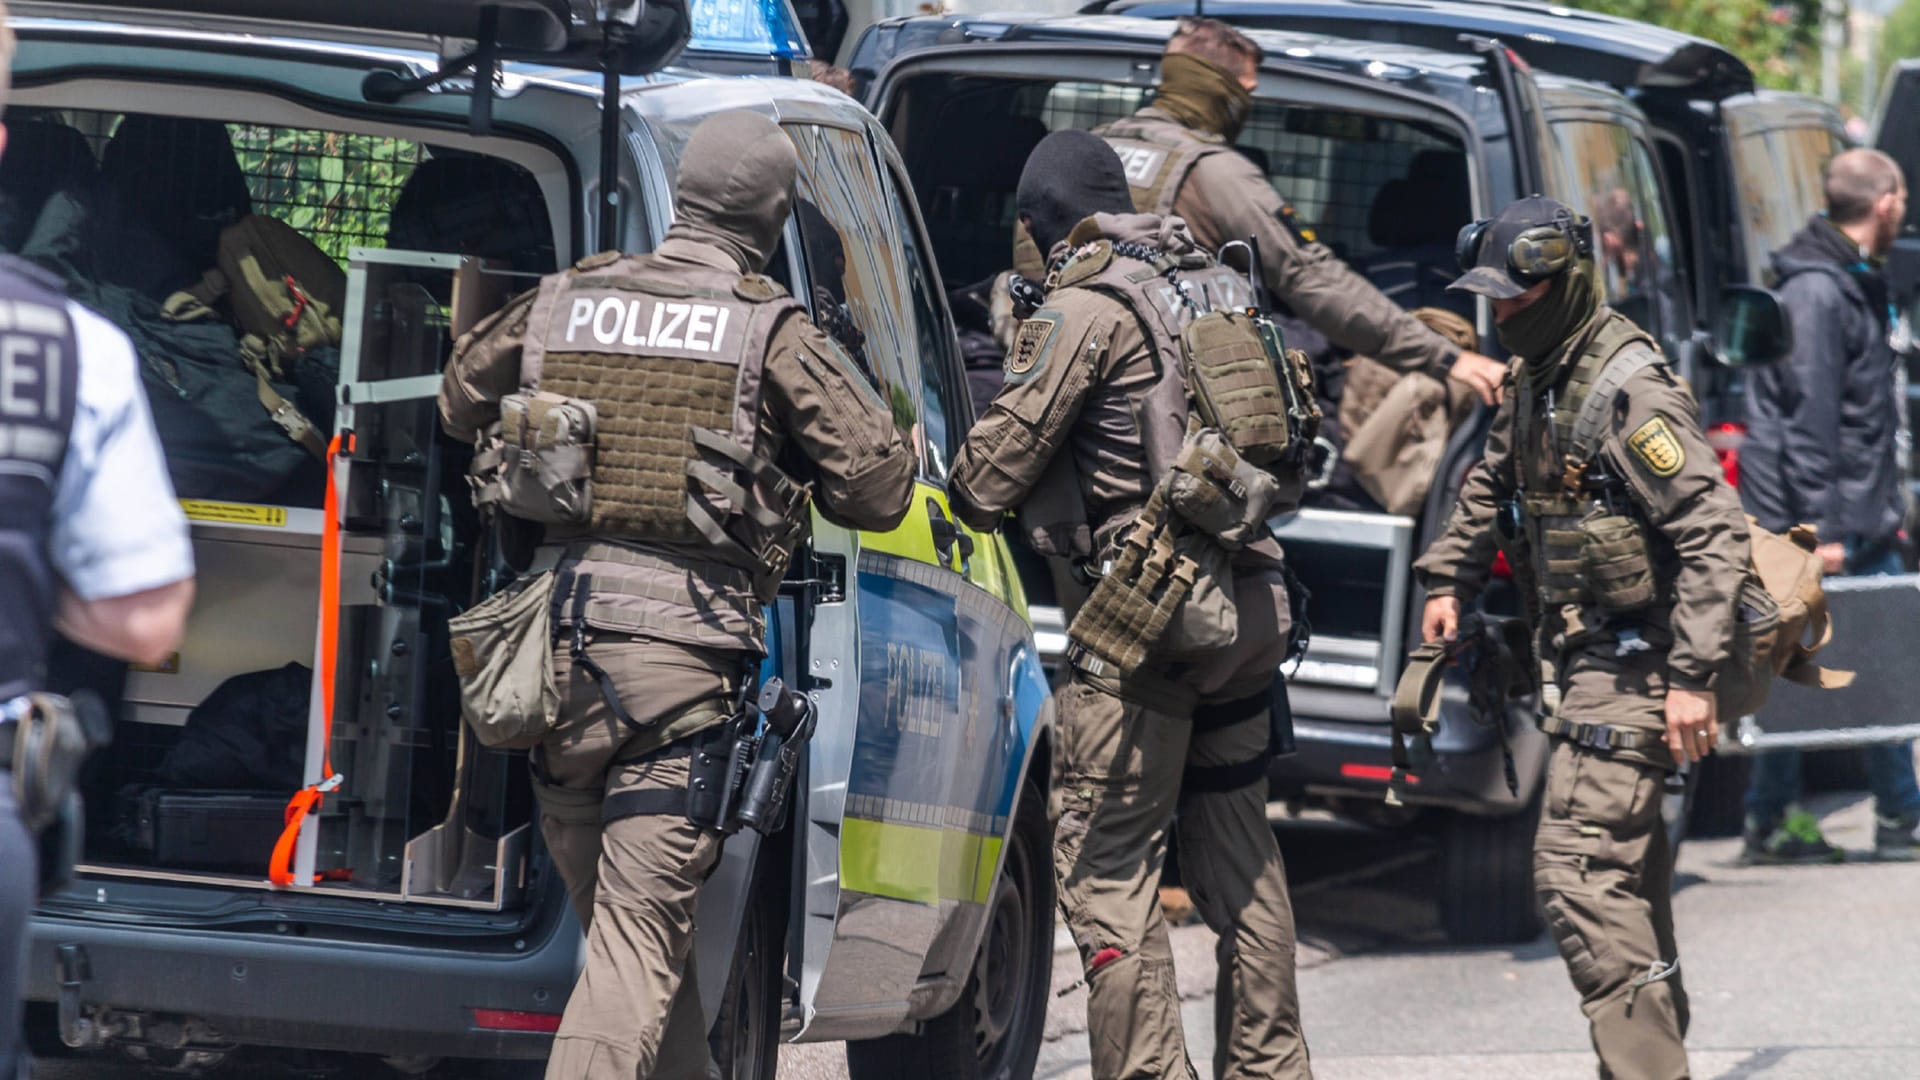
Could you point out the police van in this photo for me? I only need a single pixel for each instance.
(293, 842)
(1385, 149)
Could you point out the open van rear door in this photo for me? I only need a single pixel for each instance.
(640, 38)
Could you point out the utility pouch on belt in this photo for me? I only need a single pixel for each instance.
(1218, 491)
(51, 738)
(537, 462)
(1615, 561)
(714, 775)
(503, 653)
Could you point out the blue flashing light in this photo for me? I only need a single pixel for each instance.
(750, 27)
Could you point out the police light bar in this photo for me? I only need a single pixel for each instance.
(748, 27)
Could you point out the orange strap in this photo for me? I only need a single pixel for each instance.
(308, 799)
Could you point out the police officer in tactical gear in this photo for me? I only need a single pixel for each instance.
(719, 408)
(92, 543)
(1629, 547)
(1079, 441)
(1181, 162)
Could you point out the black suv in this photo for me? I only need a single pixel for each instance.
(1385, 149)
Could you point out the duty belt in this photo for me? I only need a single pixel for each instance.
(1600, 736)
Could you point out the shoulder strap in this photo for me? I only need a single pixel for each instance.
(1591, 422)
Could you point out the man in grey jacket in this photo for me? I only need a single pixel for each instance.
(1823, 434)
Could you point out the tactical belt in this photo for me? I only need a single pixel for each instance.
(1600, 736)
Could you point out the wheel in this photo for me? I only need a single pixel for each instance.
(1486, 878)
(746, 1037)
(994, 1031)
(1719, 797)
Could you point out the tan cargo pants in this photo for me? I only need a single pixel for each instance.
(1604, 871)
(1124, 750)
(634, 883)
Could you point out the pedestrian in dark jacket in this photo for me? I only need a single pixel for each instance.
(1823, 434)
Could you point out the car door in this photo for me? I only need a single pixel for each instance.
(918, 780)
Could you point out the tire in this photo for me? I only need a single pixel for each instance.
(995, 1030)
(1719, 798)
(746, 1036)
(1486, 878)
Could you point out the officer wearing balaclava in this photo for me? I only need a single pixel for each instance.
(1630, 546)
(1180, 162)
(1093, 405)
(709, 383)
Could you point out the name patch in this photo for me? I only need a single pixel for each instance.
(1655, 445)
(1141, 163)
(608, 321)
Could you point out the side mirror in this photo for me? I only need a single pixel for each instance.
(1751, 327)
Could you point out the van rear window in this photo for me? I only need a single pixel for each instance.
(1383, 193)
(221, 249)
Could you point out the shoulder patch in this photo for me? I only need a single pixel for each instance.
(1085, 263)
(1655, 445)
(758, 288)
(1032, 344)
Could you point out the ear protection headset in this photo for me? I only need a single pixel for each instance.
(1536, 254)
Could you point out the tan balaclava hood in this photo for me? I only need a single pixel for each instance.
(736, 187)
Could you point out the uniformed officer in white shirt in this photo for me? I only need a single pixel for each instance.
(92, 541)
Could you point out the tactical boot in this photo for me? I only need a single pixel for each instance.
(1795, 839)
(1895, 839)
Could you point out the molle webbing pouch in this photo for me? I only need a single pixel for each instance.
(1615, 562)
(1558, 547)
(537, 464)
(503, 653)
(1218, 491)
(1236, 384)
(1133, 605)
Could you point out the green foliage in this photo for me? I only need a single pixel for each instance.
(1900, 38)
(1780, 42)
(336, 189)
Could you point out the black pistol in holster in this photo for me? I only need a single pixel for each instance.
(743, 770)
(1496, 656)
(45, 739)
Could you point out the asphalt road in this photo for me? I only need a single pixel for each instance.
(1802, 972)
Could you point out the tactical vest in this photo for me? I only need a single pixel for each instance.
(672, 362)
(1556, 437)
(1165, 294)
(1157, 156)
(39, 384)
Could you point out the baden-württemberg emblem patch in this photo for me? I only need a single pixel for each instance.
(1031, 344)
(1655, 445)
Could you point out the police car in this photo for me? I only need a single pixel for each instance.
(445, 152)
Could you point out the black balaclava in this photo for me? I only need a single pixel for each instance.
(1203, 95)
(1539, 333)
(736, 187)
(1070, 176)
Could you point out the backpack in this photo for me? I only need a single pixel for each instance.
(1780, 622)
(286, 296)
